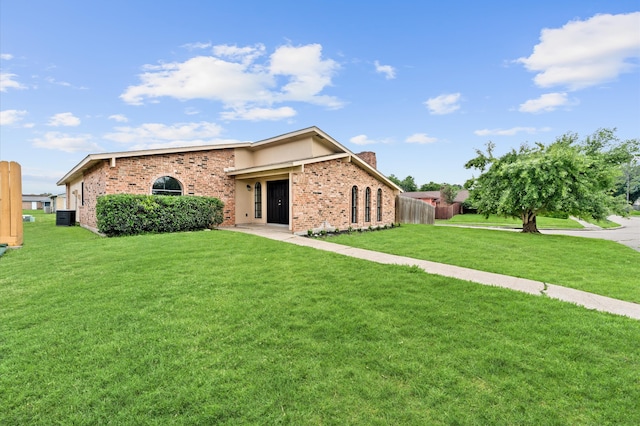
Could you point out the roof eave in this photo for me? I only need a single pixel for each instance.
(93, 158)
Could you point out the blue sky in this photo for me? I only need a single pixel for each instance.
(421, 83)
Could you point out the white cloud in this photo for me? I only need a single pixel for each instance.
(511, 132)
(234, 77)
(444, 104)
(66, 119)
(586, 53)
(59, 83)
(196, 45)
(6, 56)
(201, 77)
(421, 138)
(120, 118)
(52, 80)
(388, 71)
(11, 116)
(362, 140)
(308, 74)
(157, 135)
(546, 103)
(245, 55)
(259, 114)
(7, 81)
(67, 143)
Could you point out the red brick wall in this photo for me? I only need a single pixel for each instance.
(369, 157)
(200, 173)
(321, 197)
(94, 186)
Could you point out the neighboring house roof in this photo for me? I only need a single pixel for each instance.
(36, 198)
(461, 196)
(342, 152)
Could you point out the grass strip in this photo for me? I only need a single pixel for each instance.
(508, 222)
(598, 266)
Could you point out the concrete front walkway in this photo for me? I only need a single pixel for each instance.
(582, 298)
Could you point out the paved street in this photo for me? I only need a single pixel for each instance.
(628, 234)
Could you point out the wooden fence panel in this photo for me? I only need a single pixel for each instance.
(448, 211)
(410, 210)
(11, 231)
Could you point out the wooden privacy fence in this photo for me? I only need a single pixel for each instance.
(410, 210)
(10, 203)
(448, 211)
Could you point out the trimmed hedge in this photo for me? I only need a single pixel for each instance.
(127, 214)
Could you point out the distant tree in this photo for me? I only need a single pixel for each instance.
(628, 184)
(564, 176)
(408, 184)
(449, 193)
(431, 186)
(393, 178)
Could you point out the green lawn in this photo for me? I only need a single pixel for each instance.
(219, 327)
(508, 222)
(594, 265)
(604, 224)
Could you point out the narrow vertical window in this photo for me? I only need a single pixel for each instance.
(367, 205)
(82, 194)
(354, 204)
(379, 206)
(258, 200)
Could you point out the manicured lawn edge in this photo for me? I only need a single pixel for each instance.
(598, 266)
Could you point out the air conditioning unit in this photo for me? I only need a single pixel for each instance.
(65, 217)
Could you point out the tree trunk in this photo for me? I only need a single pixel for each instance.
(529, 223)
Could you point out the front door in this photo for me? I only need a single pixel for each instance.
(278, 202)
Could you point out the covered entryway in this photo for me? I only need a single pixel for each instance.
(278, 202)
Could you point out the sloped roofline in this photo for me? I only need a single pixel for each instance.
(91, 159)
(313, 131)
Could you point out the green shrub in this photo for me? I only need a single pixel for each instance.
(127, 214)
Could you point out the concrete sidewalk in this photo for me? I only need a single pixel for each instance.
(578, 297)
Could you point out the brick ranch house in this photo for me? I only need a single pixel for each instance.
(303, 180)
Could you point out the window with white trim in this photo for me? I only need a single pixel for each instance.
(166, 185)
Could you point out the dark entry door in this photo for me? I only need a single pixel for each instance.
(278, 202)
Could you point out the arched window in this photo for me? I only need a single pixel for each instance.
(258, 200)
(379, 206)
(367, 205)
(354, 204)
(166, 185)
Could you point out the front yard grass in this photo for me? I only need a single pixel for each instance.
(219, 327)
(598, 266)
(604, 224)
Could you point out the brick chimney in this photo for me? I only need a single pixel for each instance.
(369, 157)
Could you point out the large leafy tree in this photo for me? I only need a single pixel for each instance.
(568, 175)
